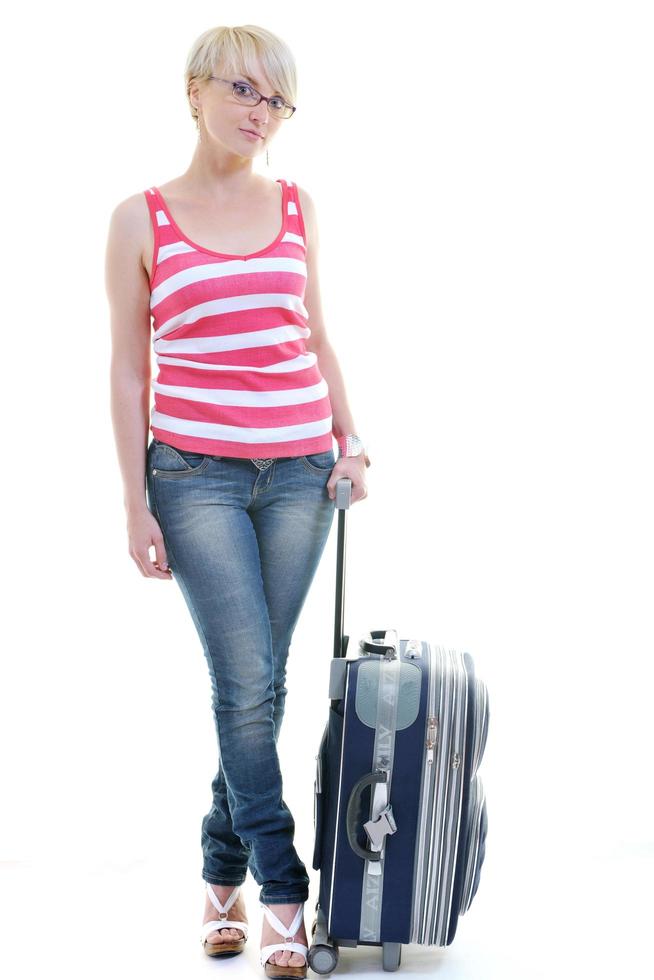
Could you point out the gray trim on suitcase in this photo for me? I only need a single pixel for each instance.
(481, 723)
(441, 796)
(477, 800)
(372, 889)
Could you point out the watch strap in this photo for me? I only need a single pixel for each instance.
(351, 445)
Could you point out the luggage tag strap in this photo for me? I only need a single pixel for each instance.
(377, 829)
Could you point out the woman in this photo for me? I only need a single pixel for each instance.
(240, 473)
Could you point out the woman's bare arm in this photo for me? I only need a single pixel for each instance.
(353, 467)
(129, 300)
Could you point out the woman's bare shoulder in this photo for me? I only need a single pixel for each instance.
(131, 214)
(308, 213)
(131, 238)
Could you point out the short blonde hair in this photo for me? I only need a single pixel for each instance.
(233, 50)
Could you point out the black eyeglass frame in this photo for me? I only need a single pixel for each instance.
(265, 98)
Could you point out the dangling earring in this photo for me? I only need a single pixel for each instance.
(267, 160)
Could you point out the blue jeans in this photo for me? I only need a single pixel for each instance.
(243, 539)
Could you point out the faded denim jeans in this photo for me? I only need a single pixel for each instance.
(243, 539)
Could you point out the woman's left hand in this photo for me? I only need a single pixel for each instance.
(354, 468)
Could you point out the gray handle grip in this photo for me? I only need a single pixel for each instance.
(343, 493)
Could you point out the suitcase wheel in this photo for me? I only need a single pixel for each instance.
(323, 953)
(391, 955)
(323, 959)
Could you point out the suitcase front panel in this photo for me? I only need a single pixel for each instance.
(358, 908)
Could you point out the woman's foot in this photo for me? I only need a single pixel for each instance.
(286, 914)
(236, 913)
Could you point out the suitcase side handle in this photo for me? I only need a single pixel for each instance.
(389, 645)
(354, 815)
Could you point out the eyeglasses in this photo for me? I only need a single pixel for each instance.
(244, 93)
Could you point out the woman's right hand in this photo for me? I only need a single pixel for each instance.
(143, 531)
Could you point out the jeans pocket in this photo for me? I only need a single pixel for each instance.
(319, 462)
(170, 463)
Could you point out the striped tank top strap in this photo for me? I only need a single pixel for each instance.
(295, 219)
(165, 236)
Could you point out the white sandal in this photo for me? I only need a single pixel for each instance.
(273, 969)
(234, 945)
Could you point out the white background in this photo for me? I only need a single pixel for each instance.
(482, 174)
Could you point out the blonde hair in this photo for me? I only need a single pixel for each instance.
(234, 49)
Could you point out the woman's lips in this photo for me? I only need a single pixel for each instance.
(252, 136)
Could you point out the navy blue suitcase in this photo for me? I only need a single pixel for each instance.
(399, 808)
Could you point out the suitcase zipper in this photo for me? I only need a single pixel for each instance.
(425, 815)
(432, 735)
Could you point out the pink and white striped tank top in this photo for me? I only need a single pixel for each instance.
(234, 375)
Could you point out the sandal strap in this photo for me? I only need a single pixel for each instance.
(267, 951)
(279, 926)
(214, 924)
(283, 930)
(215, 901)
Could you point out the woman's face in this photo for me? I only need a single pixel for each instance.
(223, 118)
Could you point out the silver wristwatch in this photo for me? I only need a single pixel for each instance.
(351, 445)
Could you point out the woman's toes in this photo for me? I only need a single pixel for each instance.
(287, 958)
(224, 936)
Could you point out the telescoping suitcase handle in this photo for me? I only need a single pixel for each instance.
(343, 500)
(390, 642)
